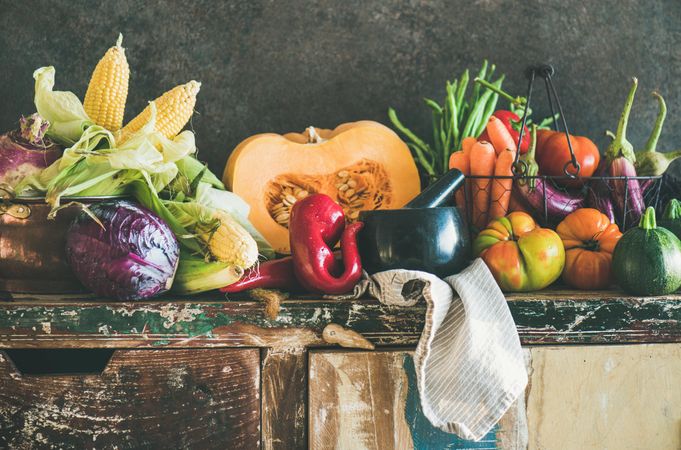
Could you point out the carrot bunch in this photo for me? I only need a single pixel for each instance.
(489, 198)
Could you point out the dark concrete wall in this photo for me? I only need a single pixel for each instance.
(283, 65)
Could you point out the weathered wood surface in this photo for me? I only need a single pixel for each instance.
(597, 397)
(166, 399)
(284, 399)
(369, 400)
(548, 317)
(579, 397)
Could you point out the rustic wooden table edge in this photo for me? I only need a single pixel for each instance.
(545, 317)
(552, 317)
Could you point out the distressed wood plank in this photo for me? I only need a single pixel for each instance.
(369, 400)
(284, 399)
(618, 397)
(143, 399)
(545, 317)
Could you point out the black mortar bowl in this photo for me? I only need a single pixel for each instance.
(421, 236)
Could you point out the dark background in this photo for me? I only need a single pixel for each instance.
(283, 65)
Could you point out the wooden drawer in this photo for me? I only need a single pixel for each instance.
(199, 398)
(369, 400)
(579, 397)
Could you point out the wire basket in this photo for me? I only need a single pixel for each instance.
(595, 192)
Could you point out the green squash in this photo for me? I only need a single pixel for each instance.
(647, 259)
(671, 219)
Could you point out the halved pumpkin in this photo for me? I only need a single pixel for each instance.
(361, 165)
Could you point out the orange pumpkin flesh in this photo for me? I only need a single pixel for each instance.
(589, 239)
(361, 165)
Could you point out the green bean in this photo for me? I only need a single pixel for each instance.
(463, 86)
(453, 125)
(406, 131)
(422, 160)
(433, 105)
(437, 131)
(489, 108)
(481, 75)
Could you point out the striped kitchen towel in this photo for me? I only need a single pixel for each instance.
(469, 364)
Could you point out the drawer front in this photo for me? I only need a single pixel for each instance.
(369, 400)
(579, 397)
(143, 399)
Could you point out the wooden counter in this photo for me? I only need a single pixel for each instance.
(207, 372)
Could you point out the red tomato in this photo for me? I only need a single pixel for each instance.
(554, 154)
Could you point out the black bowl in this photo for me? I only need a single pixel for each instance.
(433, 240)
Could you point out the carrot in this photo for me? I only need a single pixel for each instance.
(467, 144)
(499, 135)
(459, 160)
(482, 161)
(501, 187)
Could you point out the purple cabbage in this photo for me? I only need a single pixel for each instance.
(26, 151)
(130, 255)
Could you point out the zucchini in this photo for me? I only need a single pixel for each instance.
(671, 219)
(647, 259)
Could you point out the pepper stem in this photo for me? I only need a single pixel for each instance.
(673, 210)
(620, 146)
(531, 168)
(651, 145)
(648, 220)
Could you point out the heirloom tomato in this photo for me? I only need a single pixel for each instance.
(521, 255)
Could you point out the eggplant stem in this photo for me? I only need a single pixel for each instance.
(651, 145)
(620, 146)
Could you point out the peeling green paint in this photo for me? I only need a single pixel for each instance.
(543, 320)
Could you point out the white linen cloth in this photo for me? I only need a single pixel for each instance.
(469, 364)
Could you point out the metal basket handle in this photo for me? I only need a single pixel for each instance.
(546, 71)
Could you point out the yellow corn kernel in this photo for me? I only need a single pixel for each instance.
(231, 243)
(108, 89)
(173, 111)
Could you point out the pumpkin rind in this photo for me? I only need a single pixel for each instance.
(362, 165)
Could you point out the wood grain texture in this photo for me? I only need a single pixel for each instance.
(170, 399)
(284, 399)
(545, 317)
(369, 400)
(616, 397)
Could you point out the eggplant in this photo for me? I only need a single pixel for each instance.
(532, 189)
(650, 162)
(558, 202)
(620, 158)
(598, 195)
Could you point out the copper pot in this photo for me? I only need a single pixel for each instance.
(32, 247)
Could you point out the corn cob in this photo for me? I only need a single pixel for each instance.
(108, 89)
(174, 109)
(230, 242)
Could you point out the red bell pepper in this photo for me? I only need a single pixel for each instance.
(512, 122)
(315, 226)
(275, 274)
